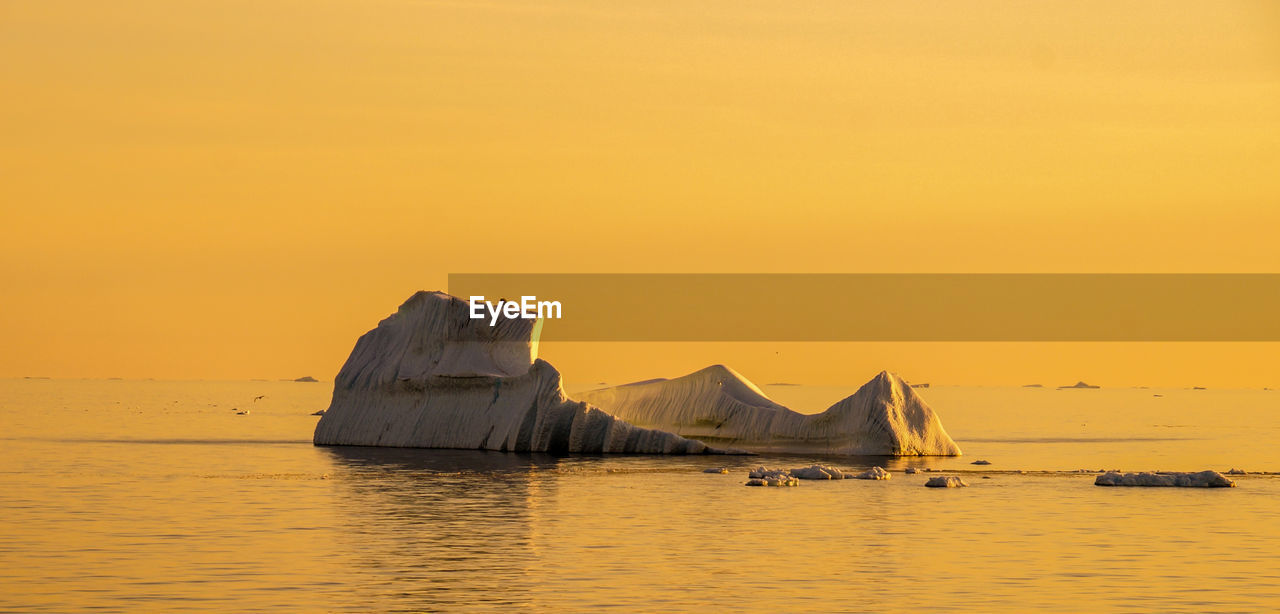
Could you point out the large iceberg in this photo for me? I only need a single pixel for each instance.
(431, 377)
(718, 406)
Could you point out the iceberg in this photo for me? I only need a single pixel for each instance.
(429, 376)
(945, 481)
(1201, 479)
(761, 476)
(717, 406)
(818, 472)
(1079, 384)
(874, 473)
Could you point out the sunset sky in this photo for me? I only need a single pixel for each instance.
(240, 189)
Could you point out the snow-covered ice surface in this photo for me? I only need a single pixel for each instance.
(431, 377)
(718, 406)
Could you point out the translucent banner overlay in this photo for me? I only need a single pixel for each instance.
(895, 307)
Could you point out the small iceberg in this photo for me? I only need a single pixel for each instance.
(874, 473)
(1235, 471)
(1078, 385)
(761, 476)
(818, 472)
(762, 471)
(1201, 479)
(716, 470)
(945, 481)
(981, 462)
(910, 470)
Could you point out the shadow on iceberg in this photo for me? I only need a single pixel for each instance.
(431, 377)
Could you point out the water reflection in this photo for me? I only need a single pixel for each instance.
(426, 461)
(433, 529)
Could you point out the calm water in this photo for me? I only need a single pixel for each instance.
(136, 496)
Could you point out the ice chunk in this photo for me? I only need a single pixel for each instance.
(765, 472)
(945, 481)
(818, 472)
(762, 476)
(1201, 479)
(874, 473)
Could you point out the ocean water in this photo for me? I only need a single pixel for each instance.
(156, 496)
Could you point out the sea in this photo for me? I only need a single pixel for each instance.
(142, 496)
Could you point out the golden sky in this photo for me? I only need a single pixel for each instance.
(239, 189)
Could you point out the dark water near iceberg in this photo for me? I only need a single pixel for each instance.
(146, 496)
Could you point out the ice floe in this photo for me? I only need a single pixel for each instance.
(874, 473)
(945, 481)
(1200, 479)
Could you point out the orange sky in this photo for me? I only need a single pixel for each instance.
(239, 189)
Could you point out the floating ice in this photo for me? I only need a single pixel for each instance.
(945, 481)
(818, 472)
(1077, 385)
(874, 473)
(762, 471)
(981, 462)
(763, 476)
(716, 470)
(1201, 479)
